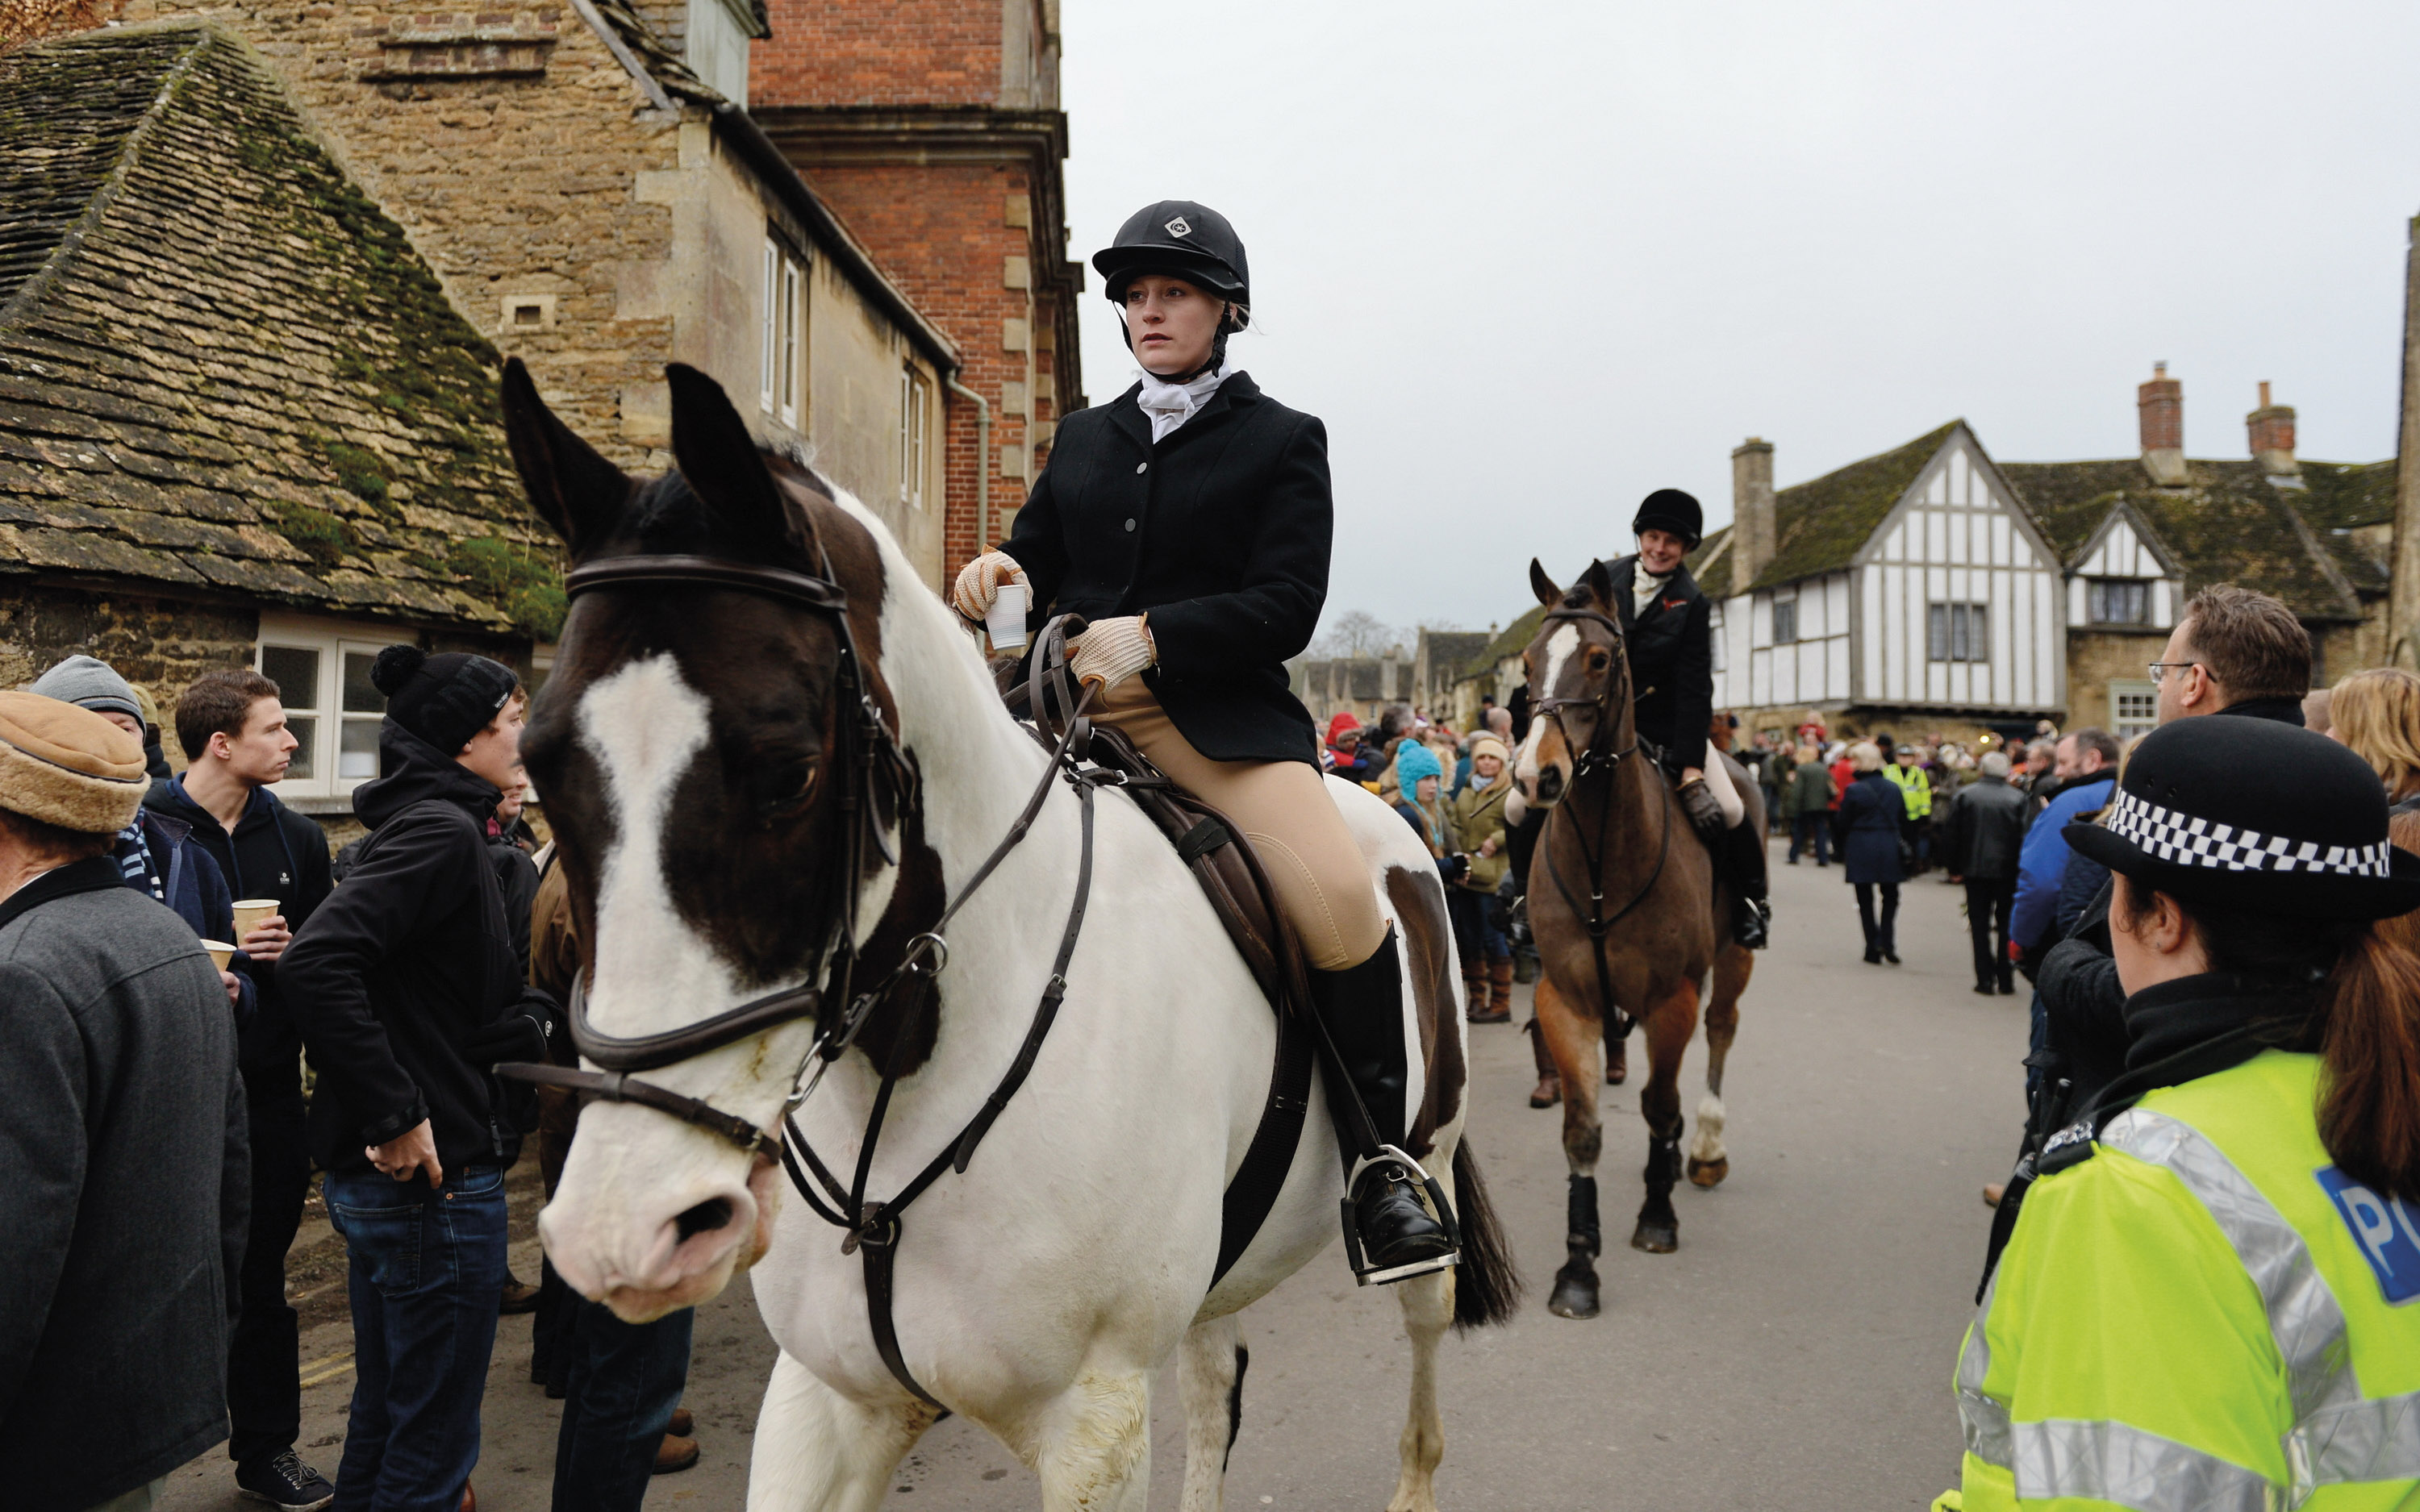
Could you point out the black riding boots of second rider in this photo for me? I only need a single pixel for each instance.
(1361, 1008)
(1739, 855)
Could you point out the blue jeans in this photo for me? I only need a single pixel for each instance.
(626, 1380)
(1813, 832)
(427, 1270)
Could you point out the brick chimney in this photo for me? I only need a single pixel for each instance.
(2272, 427)
(1752, 542)
(2162, 406)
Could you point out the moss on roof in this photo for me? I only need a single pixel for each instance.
(1510, 642)
(2228, 523)
(1709, 565)
(1820, 525)
(222, 366)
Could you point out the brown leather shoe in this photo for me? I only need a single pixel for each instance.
(682, 1425)
(1994, 1192)
(1549, 1090)
(1499, 991)
(470, 1498)
(675, 1454)
(519, 1296)
(1617, 1059)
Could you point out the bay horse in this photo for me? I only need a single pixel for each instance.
(1626, 916)
(748, 652)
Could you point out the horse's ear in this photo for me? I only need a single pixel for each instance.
(1543, 585)
(723, 467)
(1600, 581)
(572, 489)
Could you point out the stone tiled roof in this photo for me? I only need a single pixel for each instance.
(648, 29)
(1820, 525)
(2228, 523)
(223, 369)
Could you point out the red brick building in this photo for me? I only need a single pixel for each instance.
(933, 127)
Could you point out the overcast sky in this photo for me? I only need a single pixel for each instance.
(1530, 261)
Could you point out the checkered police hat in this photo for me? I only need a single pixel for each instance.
(2249, 813)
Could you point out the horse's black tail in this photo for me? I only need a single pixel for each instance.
(1486, 1288)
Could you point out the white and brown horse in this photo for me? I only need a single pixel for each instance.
(1627, 916)
(687, 744)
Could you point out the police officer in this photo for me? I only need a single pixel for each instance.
(1668, 625)
(1189, 520)
(2211, 1294)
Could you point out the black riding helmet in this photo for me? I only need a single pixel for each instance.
(1670, 509)
(1180, 238)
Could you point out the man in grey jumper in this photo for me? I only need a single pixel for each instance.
(123, 1165)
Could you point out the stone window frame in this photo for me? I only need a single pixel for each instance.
(915, 435)
(2133, 707)
(319, 727)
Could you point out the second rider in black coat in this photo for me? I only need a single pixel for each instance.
(1188, 521)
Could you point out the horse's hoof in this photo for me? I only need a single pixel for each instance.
(1655, 1237)
(1708, 1173)
(1548, 1092)
(1574, 1294)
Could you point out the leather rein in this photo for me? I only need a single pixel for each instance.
(1588, 762)
(873, 754)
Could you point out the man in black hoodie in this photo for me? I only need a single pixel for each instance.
(232, 728)
(407, 991)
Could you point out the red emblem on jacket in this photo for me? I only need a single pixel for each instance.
(1676, 603)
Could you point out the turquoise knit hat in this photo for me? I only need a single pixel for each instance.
(1414, 761)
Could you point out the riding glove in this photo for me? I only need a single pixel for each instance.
(979, 582)
(1111, 651)
(1705, 810)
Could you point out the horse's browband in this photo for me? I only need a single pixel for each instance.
(652, 1051)
(708, 572)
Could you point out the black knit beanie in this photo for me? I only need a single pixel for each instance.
(444, 699)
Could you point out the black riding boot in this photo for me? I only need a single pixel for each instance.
(1742, 855)
(1361, 1008)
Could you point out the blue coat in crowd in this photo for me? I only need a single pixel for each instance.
(2042, 866)
(168, 866)
(1870, 811)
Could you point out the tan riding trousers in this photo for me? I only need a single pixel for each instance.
(1283, 806)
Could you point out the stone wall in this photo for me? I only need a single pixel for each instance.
(159, 644)
(2096, 658)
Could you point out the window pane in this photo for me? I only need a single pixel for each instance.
(1980, 634)
(361, 695)
(295, 669)
(1938, 626)
(357, 753)
(1785, 623)
(305, 765)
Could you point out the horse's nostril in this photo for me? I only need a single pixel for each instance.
(705, 1218)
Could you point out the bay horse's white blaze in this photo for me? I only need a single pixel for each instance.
(1559, 647)
(618, 1237)
(1039, 1292)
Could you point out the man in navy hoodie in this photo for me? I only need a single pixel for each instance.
(232, 727)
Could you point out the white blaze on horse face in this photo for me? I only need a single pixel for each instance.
(1559, 647)
(654, 971)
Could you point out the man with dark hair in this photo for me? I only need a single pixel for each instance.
(408, 993)
(2238, 652)
(232, 728)
(122, 1160)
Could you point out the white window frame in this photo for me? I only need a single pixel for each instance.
(915, 429)
(2146, 713)
(332, 640)
(781, 337)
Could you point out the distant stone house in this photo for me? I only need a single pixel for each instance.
(1929, 588)
(1362, 687)
(258, 272)
(1438, 659)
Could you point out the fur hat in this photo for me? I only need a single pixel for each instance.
(1489, 745)
(445, 699)
(89, 683)
(68, 766)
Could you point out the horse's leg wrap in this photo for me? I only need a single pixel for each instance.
(1582, 1227)
(1576, 1284)
(1659, 1227)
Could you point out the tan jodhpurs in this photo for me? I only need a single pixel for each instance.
(1285, 811)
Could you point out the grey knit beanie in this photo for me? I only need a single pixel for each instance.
(89, 683)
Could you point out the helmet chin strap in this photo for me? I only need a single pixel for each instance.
(1217, 349)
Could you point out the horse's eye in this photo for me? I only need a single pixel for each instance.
(1599, 661)
(790, 787)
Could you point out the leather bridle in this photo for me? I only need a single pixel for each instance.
(1586, 763)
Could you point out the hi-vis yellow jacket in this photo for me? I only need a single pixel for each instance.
(2207, 1316)
(1915, 788)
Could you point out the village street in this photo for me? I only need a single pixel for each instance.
(1796, 1352)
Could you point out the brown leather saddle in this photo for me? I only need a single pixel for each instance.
(1231, 874)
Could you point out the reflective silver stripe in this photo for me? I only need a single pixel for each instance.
(2358, 1440)
(2115, 1462)
(2338, 1437)
(2308, 1325)
(1985, 1420)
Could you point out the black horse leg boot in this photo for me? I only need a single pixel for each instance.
(1744, 858)
(1361, 1009)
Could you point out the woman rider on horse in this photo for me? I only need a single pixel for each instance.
(1189, 522)
(1666, 623)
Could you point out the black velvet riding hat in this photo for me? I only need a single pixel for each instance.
(2252, 815)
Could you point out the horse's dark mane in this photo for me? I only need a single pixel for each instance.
(1577, 596)
(666, 514)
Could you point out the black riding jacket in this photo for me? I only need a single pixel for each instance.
(1220, 531)
(1671, 662)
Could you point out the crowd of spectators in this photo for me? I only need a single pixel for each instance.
(175, 949)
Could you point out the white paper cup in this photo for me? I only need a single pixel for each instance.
(220, 952)
(1006, 621)
(249, 912)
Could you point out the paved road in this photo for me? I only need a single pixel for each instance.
(1796, 1352)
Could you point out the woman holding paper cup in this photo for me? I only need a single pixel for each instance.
(1188, 521)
